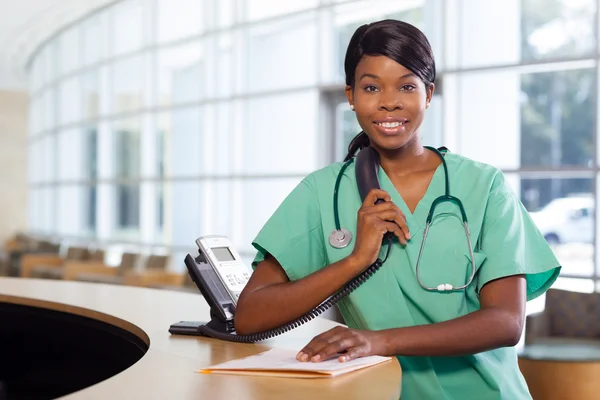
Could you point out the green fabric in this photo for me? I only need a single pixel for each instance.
(505, 240)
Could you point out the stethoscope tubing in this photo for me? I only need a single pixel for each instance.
(342, 237)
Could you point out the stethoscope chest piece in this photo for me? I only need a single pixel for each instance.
(340, 238)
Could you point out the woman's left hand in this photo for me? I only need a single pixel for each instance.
(351, 343)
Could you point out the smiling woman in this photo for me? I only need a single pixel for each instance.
(448, 342)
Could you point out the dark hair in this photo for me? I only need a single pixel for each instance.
(398, 40)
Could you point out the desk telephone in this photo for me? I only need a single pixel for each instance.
(220, 274)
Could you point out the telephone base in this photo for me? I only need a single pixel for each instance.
(197, 328)
(186, 328)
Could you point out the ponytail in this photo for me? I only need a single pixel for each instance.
(359, 142)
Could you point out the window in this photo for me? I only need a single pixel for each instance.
(128, 22)
(223, 54)
(181, 73)
(281, 54)
(90, 152)
(174, 24)
(70, 101)
(128, 81)
(557, 118)
(128, 207)
(225, 10)
(557, 28)
(156, 121)
(127, 149)
(188, 210)
(90, 222)
(541, 119)
(90, 107)
(275, 126)
(71, 149)
(68, 49)
(95, 39)
(509, 32)
(70, 216)
(344, 19)
(261, 9)
(557, 208)
(182, 130)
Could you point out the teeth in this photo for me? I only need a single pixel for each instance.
(390, 124)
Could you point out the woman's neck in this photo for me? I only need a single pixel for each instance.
(409, 158)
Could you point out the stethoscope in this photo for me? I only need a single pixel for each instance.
(341, 237)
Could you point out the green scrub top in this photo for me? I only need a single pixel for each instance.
(505, 240)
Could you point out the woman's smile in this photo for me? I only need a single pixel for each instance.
(391, 126)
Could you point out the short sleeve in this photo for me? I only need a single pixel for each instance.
(513, 244)
(293, 234)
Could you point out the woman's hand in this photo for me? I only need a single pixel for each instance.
(374, 221)
(351, 343)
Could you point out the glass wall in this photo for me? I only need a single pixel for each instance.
(154, 122)
(525, 100)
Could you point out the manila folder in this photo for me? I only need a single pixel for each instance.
(283, 363)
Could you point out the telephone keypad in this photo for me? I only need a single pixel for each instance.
(237, 279)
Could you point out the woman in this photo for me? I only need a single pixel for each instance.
(451, 343)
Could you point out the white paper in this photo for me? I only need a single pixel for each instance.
(285, 360)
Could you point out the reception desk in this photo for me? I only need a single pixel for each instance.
(95, 341)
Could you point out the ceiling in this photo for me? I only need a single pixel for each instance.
(25, 24)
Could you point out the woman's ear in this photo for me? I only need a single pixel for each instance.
(350, 96)
(429, 94)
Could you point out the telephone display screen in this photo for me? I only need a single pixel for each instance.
(223, 254)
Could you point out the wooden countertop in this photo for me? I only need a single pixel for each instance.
(167, 370)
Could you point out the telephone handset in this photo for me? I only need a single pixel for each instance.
(367, 172)
(367, 177)
(220, 274)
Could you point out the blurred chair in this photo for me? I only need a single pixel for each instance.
(45, 265)
(51, 272)
(9, 246)
(157, 262)
(561, 356)
(96, 255)
(92, 260)
(155, 278)
(154, 273)
(12, 244)
(45, 246)
(20, 245)
(100, 272)
(567, 317)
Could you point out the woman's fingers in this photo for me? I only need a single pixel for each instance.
(399, 233)
(319, 342)
(391, 213)
(374, 195)
(344, 343)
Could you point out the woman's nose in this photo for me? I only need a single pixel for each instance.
(390, 102)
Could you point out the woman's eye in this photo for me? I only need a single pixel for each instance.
(371, 88)
(408, 88)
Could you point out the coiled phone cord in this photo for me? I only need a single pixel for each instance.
(325, 305)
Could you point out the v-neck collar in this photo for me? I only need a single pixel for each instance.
(416, 219)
